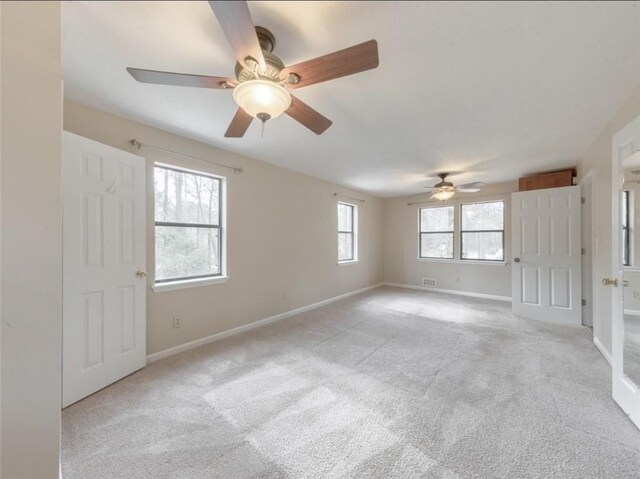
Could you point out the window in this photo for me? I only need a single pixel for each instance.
(188, 219)
(482, 231)
(626, 229)
(436, 232)
(347, 232)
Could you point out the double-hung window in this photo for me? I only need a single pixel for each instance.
(347, 232)
(626, 228)
(482, 231)
(188, 224)
(436, 232)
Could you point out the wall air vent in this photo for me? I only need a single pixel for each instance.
(429, 282)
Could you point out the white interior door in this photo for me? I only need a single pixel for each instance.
(625, 154)
(104, 318)
(545, 275)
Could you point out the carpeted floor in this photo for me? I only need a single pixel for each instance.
(388, 384)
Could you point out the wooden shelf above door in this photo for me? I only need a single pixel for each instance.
(555, 179)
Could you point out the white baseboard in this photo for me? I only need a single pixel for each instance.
(451, 291)
(253, 325)
(631, 312)
(603, 351)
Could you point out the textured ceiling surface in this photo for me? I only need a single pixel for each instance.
(489, 91)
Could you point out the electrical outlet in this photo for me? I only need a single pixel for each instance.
(457, 279)
(284, 296)
(177, 322)
(636, 294)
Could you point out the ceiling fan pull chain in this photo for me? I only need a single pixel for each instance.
(262, 129)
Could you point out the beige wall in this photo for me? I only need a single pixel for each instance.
(31, 253)
(597, 158)
(401, 263)
(281, 236)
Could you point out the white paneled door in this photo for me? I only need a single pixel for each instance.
(545, 274)
(104, 284)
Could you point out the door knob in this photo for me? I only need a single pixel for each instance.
(141, 274)
(516, 260)
(610, 282)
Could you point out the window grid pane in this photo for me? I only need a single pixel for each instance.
(186, 198)
(483, 245)
(345, 246)
(436, 219)
(436, 245)
(483, 216)
(188, 222)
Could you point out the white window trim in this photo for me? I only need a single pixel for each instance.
(209, 280)
(464, 261)
(348, 262)
(355, 258)
(188, 283)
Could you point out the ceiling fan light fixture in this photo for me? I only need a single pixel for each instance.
(262, 99)
(444, 193)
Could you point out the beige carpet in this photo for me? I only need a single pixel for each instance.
(389, 384)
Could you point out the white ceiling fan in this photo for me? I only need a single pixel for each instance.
(444, 190)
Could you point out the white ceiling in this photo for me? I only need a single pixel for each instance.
(489, 90)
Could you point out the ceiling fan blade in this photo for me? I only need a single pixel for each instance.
(303, 113)
(235, 20)
(470, 187)
(355, 59)
(180, 79)
(239, 124)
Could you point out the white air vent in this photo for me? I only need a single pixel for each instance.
(430, 282)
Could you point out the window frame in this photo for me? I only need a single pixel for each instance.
(353, 232)
(452, 232)
(462, 231)
(177, 224)
(626, 228)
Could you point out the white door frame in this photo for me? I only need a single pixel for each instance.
(627, 394)
(590, 179)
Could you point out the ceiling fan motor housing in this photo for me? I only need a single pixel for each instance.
(273, 63)
(443, 183)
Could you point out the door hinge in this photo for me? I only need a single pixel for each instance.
(584, 302)
(583, 251)
(583, 200)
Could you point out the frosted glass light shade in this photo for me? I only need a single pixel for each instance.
(443, 194)
(262, 96)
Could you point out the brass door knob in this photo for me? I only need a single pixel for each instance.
(610, 282)
(141, 274)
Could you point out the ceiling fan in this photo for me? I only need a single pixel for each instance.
(262, 83)
(445, 189)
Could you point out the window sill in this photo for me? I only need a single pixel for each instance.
(348, 262)
(189, 283)
(463, 261)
